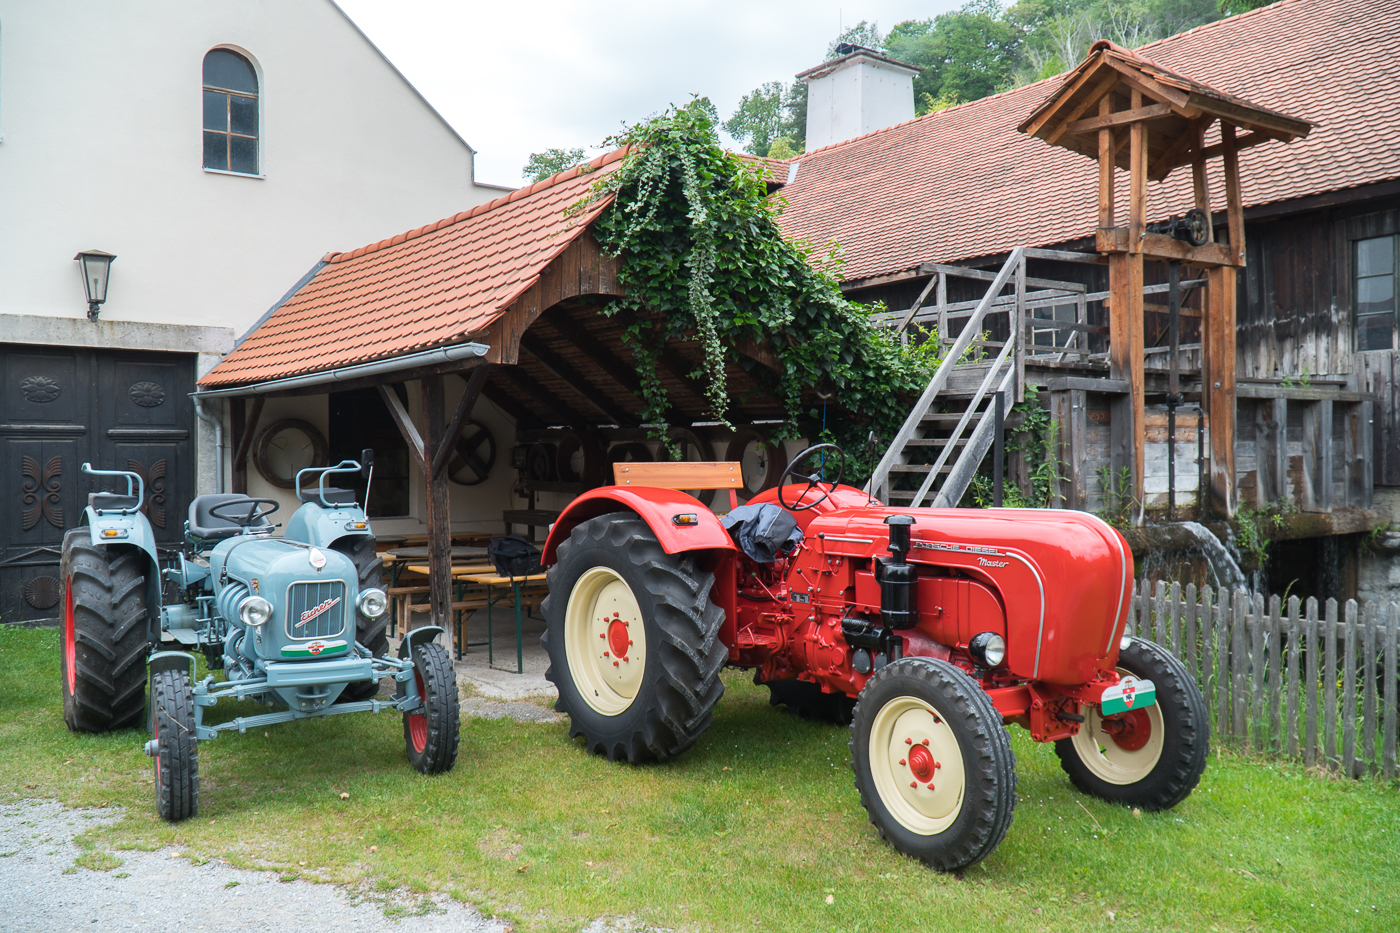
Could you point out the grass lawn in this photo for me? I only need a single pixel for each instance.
(758, 827)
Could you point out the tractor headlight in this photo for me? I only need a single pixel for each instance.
(254, 611)
(372, 603)
(988, 648)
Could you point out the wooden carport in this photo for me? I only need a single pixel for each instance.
(509, 296)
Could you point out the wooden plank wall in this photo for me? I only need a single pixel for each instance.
(1379, 372)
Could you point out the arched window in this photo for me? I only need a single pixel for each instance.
(230, 113)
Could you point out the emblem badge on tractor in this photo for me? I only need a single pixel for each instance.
(305, 642)
(925, 630)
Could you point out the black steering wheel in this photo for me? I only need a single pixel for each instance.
(813, 480)
(254, 510)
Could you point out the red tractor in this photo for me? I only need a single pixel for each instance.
(925, 629)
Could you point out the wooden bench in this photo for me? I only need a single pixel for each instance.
(683, 474)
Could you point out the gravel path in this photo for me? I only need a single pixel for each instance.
(42, 890)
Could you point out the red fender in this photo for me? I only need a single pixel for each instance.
(657, 507)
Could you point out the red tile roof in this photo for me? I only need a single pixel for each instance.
(963, 183)
(430, 287)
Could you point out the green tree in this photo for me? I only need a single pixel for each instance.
(1236, 7)
(862, 33)
(550, 162)
(759, 119)
(963, 55)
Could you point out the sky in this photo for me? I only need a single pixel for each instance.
(516, 78)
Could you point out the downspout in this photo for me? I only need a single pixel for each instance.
(218, 427)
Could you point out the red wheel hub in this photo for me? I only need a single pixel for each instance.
(418, 722)
(618, 639)
(1131, 730)
(70, 638)
(921, 763)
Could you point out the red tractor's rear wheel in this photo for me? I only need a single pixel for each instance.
(933, 763)
(1150, 758)
(633, 641)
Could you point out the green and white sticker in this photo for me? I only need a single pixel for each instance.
(1128, 693)
(315, 649)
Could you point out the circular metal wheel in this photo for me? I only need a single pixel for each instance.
(605, 640)
(286, 447)
(760, 461)
(633, 641)
(473, 456)
(1150, 758)
(933, 763)
(1128, 753)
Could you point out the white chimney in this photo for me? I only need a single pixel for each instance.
(860, 92)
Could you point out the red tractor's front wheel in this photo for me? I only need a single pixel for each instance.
(633, 641)
(933, 763)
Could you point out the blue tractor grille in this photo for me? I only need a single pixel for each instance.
(316, 610)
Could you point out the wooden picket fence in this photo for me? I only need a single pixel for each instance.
(1318, 687)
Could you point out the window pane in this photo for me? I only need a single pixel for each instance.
(243, 155)
(230, 70)
(243, 115)
(1373, 331)
(216, 151)
(215, 111)
(1375, 256)
(1375, 295)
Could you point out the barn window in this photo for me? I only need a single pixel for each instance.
(230, 113)
(1375, 293)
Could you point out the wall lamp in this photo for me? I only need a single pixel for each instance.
(97, 265)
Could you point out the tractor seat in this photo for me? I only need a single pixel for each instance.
(333, 495)
(111, 501)
(211, 527)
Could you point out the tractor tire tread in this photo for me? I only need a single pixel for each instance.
(442, 709)
(1186, 757)
(807, 700)
(110, 639)
(688, 653)
(372, 633)
(177, 751)
(990, 770)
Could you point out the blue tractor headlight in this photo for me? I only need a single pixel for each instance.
(372, 603)
(254, 611)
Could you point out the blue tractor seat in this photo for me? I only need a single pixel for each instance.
(211, 527)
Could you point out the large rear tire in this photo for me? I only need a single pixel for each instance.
(372, 633)
(104, 644)
(933, 763)
(633, 641)
(177, 750)
(432, 733)
(1157, 758)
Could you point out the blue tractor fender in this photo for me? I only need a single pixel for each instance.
(424, 633)
(319, 526)
(164, 661)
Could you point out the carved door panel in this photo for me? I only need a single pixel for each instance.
(61, 407)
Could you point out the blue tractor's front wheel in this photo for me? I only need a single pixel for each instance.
(431, 732)
(176, 749)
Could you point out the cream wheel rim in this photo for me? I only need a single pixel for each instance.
(605, 641)
(917, 766)
(1109, 761)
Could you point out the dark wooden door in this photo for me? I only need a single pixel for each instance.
(61, 407)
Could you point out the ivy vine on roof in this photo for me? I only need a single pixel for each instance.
(703, 258)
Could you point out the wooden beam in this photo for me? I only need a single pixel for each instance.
(1121, 118)
(1218, 375)
(561, 410)
(1141, 84)
(1137, 185)
(502, 400)
(245, 444)
(439, 513)
(1200, 182)
(404, 423)
(1243, 142)
(1085, 76)
(1106, 167)
(604, 358)
(760, 354)
(1175, 154)
(464, 410)
(1234, 203)
(1163, 247)
(560, 368)
(1097, 96)
(673, 362)
(1317, 457)
(1126, 362)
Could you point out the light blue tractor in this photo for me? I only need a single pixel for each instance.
(296, 622)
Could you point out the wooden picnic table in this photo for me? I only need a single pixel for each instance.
(421, 553)
(458, 570)
(491, 579)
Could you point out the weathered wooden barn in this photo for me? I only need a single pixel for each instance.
(920, 207)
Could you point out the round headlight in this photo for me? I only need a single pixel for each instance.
(1125, 642)
(988, 648)
(372, 603)
(254, 611)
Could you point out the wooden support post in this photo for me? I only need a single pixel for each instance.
(439, 514)
(1125, 362)
(464, 410)
(245, 428)
(1200, 183)
(1271, 450)
(1021, 331)
(1106, 151)
(1317, 456)
(1069, 407)
(1360, 474)
(1137, 187)
(1234, 205)
(1218, 372)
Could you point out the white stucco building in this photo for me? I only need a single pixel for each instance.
(218, 149)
